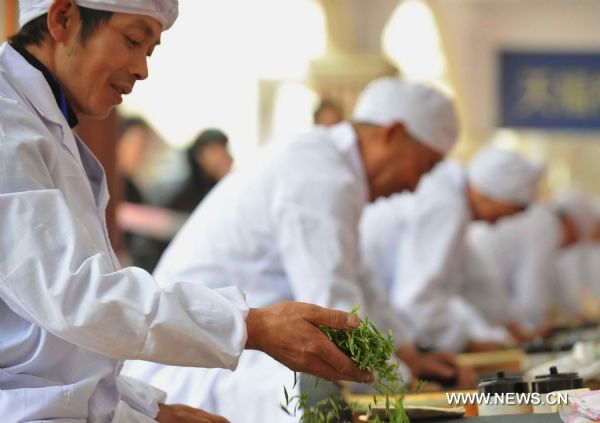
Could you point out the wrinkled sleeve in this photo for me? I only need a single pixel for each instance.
(483, 288)
(317, 236)
(140, 396)
(478, 328)
(572, 293)
(54, 274)
(534, 277)
(427, 268)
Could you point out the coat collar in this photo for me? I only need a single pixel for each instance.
(57, 90)
(32, 85)
(345, 139)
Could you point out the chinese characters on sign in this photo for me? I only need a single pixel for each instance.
(552, 91)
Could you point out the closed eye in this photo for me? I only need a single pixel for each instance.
(132, 42)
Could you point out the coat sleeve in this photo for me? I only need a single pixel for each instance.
(53, 273)
(427, 267)
(533, 279)
(483, 287)
(317, 236)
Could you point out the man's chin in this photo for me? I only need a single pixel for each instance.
(100, 113)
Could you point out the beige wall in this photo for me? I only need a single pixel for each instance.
(474, 31)
(3, 20)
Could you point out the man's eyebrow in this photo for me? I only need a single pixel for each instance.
(147, 30)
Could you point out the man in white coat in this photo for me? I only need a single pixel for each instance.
(415, 243)
(520, 258)
(68, 312)
(287, 228)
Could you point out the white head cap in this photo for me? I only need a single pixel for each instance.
(164, 11)
(504, 175)
(426, 113)
(572, 203)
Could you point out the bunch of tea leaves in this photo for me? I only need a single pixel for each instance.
(370, 350)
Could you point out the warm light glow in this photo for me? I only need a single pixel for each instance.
(412, 42)
(206, 71)
(294, 104)
(508, 139)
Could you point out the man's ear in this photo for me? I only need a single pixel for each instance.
(62, 18)
(395, 132)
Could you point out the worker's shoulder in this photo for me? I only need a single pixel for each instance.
(446, 182)
(18, 119)
(315, 152)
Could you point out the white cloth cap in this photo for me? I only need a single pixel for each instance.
(572, 203)
(426, 113)
(164, 11)
(505, 175)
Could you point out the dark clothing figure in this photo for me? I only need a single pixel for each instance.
(209, 161)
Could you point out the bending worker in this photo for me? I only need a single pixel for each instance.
(416, 243)
(288, 229)
(68, 312)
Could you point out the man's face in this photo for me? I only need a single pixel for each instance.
(404, 160)
(570, 231)
(489, 209)
(215, 160)
(131, 149)
(595, 233)
(97, 73)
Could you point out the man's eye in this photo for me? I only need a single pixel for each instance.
(132, 42)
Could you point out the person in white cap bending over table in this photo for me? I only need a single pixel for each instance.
(68, 312)
(522, 259)
(415, 243)
(287, 229)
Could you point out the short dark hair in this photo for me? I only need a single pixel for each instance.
(209, 137)
(128, 123)
(34, 32)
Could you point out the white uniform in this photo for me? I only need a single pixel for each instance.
(68, 312)
(578, 272)
(415, 245)
(520, 254)
(287, 229)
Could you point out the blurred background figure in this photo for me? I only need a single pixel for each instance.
(415, 243)
(135, 139)
(328, 113)
(143, 160)
(521, 256)
(577, 268)
(209, 161)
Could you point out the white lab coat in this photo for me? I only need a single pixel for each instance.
(68, 312)
(592, 264)
(578, 272)
(285, 229)
(519, 254)
(415, 245)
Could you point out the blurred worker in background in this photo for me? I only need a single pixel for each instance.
(520, 257)
(415, 243)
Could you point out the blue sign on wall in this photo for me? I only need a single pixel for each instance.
(550, 90)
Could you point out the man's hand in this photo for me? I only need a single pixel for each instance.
(439, 367)
(178, 413)
(288, 332)
(483, 346)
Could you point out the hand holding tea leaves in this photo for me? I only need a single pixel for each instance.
(370, 351)
(288, 331)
